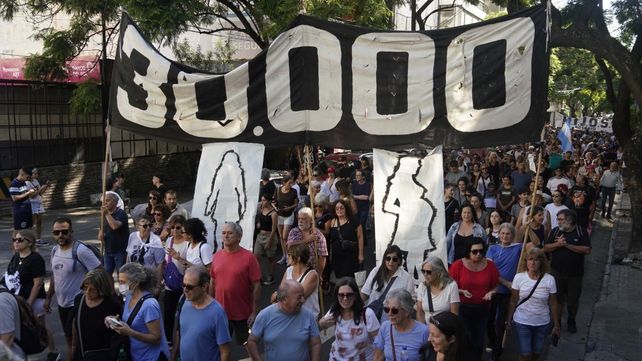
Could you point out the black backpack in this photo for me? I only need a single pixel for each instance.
(33, 335)
(74, 254)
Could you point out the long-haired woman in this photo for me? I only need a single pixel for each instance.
(355, 325)
(439, 286)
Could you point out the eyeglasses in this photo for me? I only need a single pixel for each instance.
(391, 259)
(561, 219)
(57, 232)
(189, 287)
(176, 227)
(151, 197)
(158, 214)
(556, 196)
(19, 240)
(347, 296)
(318, 206)
(477, 251)
(391, 310)
(426, 272)
(145, 225)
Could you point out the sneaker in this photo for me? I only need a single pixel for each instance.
(282, 260)
(41, 242)
(572, 327)
(268, 281)
(53, 356)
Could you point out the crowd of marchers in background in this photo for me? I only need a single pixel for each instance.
(179, 297)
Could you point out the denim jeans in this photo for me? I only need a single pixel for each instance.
(113, 261)
(530, 339)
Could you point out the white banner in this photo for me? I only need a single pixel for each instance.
(409, 205)
(593, 124)
(227, 188)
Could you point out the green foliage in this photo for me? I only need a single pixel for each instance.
(85, 98)
(628, 14)
(495, 14)
(219, 61)
(576, 82)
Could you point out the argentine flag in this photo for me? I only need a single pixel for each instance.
(564, 136)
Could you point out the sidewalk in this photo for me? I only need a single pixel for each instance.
(610, 315)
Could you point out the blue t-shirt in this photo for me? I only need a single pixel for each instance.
(361, 190)
(407, 344)
(116, 239)
(506, 260)
(285, 337)
(149, 311)
(202, 331)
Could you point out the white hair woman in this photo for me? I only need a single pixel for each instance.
(438, 292)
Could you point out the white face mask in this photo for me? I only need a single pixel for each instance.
(123, 289)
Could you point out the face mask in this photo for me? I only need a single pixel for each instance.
(123, 289)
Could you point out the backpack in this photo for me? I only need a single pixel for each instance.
(33, 335)
(74, 254)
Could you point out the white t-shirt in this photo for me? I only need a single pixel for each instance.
(351, 341)
(200, 255)
(552, 210)
(154, 251)
(181, 248)
(440, 302)
(535, 311)
(403, 281)
(312, 302)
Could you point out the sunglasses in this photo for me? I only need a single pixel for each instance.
(391, 310)
(347, 296)
(189, 287)
(477, 251)
(391, 259)
(158, 214)
(19, 240)
(176, 227)
(146, 225)
(59, 232)
(426, 272)
(150, 198)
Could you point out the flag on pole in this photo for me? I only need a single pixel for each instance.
(564, 136)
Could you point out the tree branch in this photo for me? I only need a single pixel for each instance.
(246, 24)
(601, 44)
(608, 79)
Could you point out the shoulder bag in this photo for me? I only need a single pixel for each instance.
(392, 343)
(173, 278)
(345, 243)
(531, 293)
(377, 305)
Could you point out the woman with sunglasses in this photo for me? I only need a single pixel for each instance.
(388, 271)
(144, 246)
(346, 237)
(448, 340)
(355, 326)
(531, 316)
(173, 271)
(25, 277)
(91, 338)
(461, 232)
(160, 226)
(505, 255)
(477, 279)
(400, 337)
(153, 199)
(442, 290)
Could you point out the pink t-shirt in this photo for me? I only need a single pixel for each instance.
(233, 275)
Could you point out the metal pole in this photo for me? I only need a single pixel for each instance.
(413, 15)
(307, 152)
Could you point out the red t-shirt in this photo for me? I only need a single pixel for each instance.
(477, 283)
(233, 275)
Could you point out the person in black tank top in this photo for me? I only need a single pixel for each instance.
(266, 238)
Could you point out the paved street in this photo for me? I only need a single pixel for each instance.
(609, 318)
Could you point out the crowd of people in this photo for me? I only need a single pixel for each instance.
(179, 297)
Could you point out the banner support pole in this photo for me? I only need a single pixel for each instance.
(307, 153)
(104, 185)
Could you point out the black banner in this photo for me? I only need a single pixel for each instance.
(338, 85)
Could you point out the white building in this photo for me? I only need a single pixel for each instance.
(445, 14)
